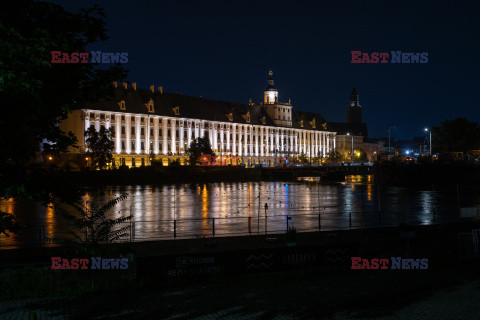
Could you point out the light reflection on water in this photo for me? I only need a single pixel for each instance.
(232, 204)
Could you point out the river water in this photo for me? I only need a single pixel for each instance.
(238, 208)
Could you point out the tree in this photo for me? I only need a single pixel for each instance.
(36, 93)
(360, 155)
(333, 156)
(458, 135)
(90, 226)
(100, 146)
(198, 147)
(302, 158)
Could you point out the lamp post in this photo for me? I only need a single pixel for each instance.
(310, 148)
(348, 134)
(430, 149)
(389, 139)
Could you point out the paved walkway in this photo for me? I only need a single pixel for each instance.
(409, 294)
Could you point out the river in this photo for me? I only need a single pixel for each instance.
(233, 208)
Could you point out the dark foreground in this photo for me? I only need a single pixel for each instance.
(448, 289)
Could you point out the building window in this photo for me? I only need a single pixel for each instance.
(141, 131)
(133, 131)
(102, 116)
(133, 144)
(143, 162)
(151, 132)
(133, 162)
(123, 145)
(123, 118)
(176, 110)
(123, 130)
(160, 132)
(142, 146)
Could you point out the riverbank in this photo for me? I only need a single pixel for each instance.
(403, 174)
(427, 174)
(302, 289)
(162, 175)
(437, 241)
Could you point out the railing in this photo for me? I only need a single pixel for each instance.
(257, 224)
(265, 224)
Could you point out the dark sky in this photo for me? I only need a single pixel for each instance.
(223, 50)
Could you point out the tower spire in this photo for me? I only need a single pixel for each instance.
(270, 93)
(354, 113)
(354, 95)
(270, 80)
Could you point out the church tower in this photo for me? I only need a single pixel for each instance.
(270, 95)
(354, 113)
(280, 112)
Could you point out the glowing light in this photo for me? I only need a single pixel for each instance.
(50, 158)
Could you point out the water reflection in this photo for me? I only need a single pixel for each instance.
(194, 206)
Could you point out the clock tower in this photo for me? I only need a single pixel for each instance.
(354, 112)
(280, 112)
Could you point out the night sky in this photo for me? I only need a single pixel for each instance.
(223, 50)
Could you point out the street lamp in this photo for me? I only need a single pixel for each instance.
(389, 139)
(348, 134)
(430, 149)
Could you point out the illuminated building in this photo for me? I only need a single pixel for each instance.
(355, 132)
(163, 124)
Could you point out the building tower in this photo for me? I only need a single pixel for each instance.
(270, 94)
(281, 113)
(354, 112)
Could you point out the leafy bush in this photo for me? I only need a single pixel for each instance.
(157, 163)
(90, 226)
(175, 163)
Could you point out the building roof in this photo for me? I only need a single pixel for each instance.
(189, 106)
(356, 129)
(305, 120)
(199, 108)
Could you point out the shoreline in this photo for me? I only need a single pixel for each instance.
(378, 240)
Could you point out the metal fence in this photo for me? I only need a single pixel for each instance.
(145, 230)
(257, 224)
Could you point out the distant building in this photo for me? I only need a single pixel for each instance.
(413, 148)
(355, 131)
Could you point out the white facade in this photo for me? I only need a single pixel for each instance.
(136, 135)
